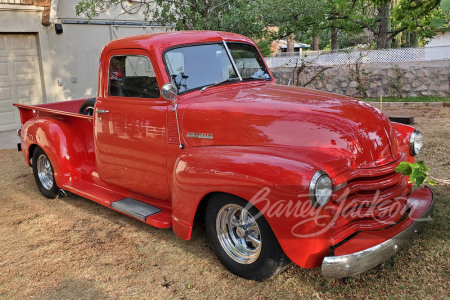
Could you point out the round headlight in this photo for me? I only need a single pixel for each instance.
(320, 188)
(415, 143)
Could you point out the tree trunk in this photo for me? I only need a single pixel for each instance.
(315, 43)
(290, 46)
(414, 39)
(406, 39)
(383, 26)
(334, 38)
(396, 42)
(206, 10)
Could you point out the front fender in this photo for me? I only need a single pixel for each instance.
(403, 133)
(59, 141)
(270, 178)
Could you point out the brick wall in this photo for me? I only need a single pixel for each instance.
(43, 3)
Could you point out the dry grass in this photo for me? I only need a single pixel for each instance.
(74, 248)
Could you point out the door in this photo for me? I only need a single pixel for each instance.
(20, 77)
(130, 126)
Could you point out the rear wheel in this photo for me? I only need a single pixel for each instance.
(87, 108)
(44, 174)
(242, 238)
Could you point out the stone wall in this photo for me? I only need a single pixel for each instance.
(387, 79)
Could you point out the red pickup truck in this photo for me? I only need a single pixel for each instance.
(191, 125)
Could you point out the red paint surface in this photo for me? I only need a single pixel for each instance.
(265, 136)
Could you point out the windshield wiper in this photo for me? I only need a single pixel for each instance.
(219, 83)
(254, 79)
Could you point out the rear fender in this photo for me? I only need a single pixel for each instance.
(59, 141)
(273, 184)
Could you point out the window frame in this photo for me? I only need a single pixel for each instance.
(212, 43)
(257, 50)
(130, 52)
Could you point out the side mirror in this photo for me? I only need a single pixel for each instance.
(169, 91)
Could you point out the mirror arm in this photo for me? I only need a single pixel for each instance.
(174, 105)
(174, 108)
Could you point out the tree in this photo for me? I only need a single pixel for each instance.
(337, 20)
(232, 15)
(291, 17)
(387, 18)
(251, 18)
(416, 17)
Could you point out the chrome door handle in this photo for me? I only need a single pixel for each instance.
(101, 111)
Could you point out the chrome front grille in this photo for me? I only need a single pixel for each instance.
(371, 201)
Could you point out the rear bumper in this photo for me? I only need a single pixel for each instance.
(353, 258)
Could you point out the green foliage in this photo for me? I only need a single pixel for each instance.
(417, 172)
(294, 16)
(441, 19)
(358, 15)
(445, 5)
(264, 46)
(238, 16)
(357, 21)
(422, 17)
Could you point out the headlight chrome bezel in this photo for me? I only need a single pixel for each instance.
(313, 186)
(416, 134)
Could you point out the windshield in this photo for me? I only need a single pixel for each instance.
(195, 67)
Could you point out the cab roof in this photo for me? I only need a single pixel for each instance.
(161, 41)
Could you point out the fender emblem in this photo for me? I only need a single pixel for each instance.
(200, 135)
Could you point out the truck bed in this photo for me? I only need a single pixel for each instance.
(66, 108)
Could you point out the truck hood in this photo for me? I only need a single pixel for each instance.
(264, 114)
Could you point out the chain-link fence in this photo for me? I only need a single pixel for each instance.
(341, 57)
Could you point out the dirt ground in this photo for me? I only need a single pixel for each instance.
(73, 248)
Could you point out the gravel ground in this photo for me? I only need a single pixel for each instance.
(73, 248)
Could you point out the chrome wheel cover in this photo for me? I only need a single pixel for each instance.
(45, 171)
(238, 233)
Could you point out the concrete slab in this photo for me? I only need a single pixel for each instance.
(8, 140)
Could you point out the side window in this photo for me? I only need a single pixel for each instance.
(248, 61)
(132, 76)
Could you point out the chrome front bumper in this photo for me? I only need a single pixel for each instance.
(358, 262)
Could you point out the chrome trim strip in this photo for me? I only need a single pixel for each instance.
(351, 264)
(339, 186)
(200, 135)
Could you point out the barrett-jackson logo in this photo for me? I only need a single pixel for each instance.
(200, 135)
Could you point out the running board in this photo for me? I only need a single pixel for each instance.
(126, 203)
(135, 208)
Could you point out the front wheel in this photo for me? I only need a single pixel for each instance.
(44, 174)
(242, 238)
